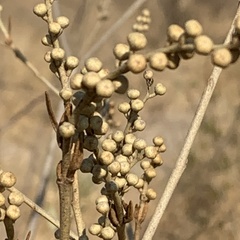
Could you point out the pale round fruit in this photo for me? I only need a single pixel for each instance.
(136, 63)
(193, 28)
(13, 212)
(221, 57)
(121, 51)
(66, 130)
(105, 88)
(7, 179)
(90, 80)
(151, 194)
(63, 21)
(203, 44)
(158, 61)
(174, 32)
(93, 64)
(107, 233)
(137, 41)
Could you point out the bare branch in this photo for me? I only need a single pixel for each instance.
(182, 159)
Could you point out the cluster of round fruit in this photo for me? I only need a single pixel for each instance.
(196, 42)
(142, 21)
(15, 198)
(113, 168)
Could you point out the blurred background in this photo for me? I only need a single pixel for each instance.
(206, 203)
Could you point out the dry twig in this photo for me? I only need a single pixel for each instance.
(183, 157)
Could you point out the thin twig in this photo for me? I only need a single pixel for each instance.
(22, 58)
(130, 11)
(183, 157)
(40, 211)
(45, 175)
(76, 206)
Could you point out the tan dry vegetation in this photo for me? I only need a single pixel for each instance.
(206, 202)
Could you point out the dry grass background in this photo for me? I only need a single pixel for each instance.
(206, 202)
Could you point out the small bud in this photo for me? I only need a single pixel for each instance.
(145, 164)
(76, 81)
(221, 57)
(99, 171)
(63, 21)
(127, 149)
(46, 40)
(95, 122)
(90, 80)
(148, 74)
(124, 107)
(54, 28)
(107, 233)
(174, 32)
(109, 145)
(150, 152)
(102, 207)
(87, 165)
(158, 141)
(125, 167)
(101, 199)
(139, 144)
(111, 187)
(193, 28)
(139, 125)
(121, 51)
(137, 105)
(114, 168)
(159, 89)
(146, 12)
(58, 54)
(48, 57)
(136, 63)
(66, 130)
(130, 138)
(132, 179)
(203, 44)
(118, 136)
(103, 129)
(13, 212)
(93, 64)
(106, 157)
(71, 62)
(158, 61)
(105, 88)
(7, 179)
(151, 194)
(66, 93)
(84, 71)
(120, 158)
(162, 148)
(133, 93)
(15, 198)
(95, 229)
(137, 41)
(40, 9)
(139, 184)
(90, 143)
(103, 73)
(121, 182)
(150, 173)
(157, 161)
